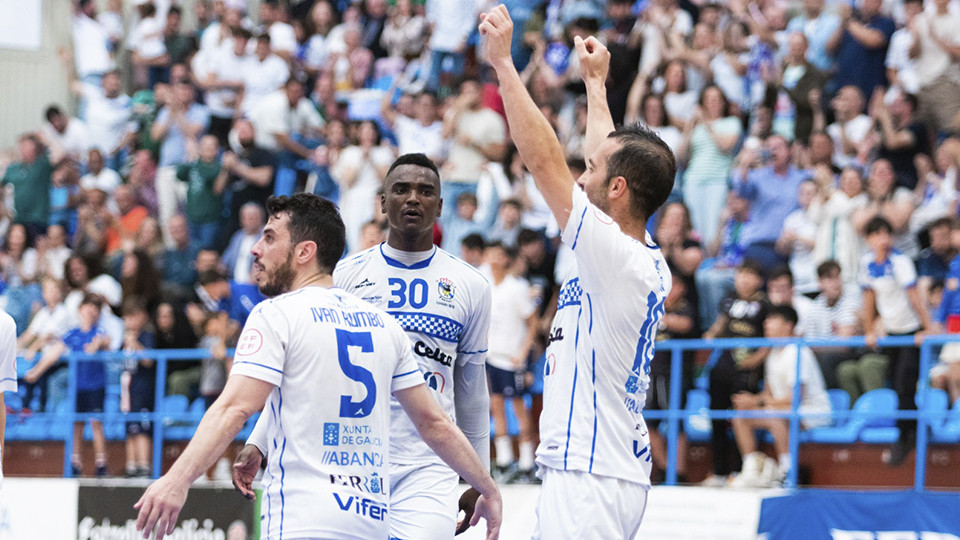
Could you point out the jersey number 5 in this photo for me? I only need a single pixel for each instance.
(348, 407)
(416, 293)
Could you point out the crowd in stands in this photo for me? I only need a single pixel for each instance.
(817, 146)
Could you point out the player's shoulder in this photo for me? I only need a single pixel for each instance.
(356, 260)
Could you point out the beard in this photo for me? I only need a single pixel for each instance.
(281, 280)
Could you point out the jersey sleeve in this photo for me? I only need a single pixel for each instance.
(259, 435)
(599, 246)
(472, 404)
(904, 272)
(260, 349)
(472, 348)
(8, 354)
(406, 373)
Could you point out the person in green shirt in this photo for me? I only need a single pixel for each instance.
(31, 177)
(206, 180)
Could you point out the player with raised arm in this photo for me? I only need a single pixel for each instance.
(322, 365)
(443, 304)
(594, 452)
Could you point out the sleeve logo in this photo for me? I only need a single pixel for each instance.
(250, 342)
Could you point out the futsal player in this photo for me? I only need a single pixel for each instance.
(594, 453)
(443, 304)
(322, 365)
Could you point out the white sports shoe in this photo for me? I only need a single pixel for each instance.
(751, 475)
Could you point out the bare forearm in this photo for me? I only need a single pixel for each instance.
(599, 121)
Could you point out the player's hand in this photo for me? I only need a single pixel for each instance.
(245, 469)
(468, 504)
(491, 509)
(497, 27)
(160, 506)
(594, 59)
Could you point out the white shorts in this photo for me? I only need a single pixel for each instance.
(583, 506)
(423, 502)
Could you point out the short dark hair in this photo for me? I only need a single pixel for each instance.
(510, 251)
(174, 10)
(512, 202)
(210, 276)
(785, 312)
(779, 272)
(92, 299)
(943, 222)
(473, 241)
(467, 197)
(312, 219)
(51, 112)
(133, 305)
(528, 236)
(878, 224)
(264, 37)
(418, 159)
(648, 165)
(828, 267)
(242, 33)
(912, 100)
(752, 266)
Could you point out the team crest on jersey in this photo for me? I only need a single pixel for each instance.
(446, 290)
(435, 380)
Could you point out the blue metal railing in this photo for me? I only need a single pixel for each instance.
(673, 416)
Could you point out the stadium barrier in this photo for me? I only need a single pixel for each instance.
(179, 422)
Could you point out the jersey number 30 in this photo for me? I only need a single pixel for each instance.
(348, 407)
(400, 293)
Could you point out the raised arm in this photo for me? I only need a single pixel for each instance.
(594, 64)
(535, 139)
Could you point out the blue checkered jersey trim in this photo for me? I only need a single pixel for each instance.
(429, 325)
(570, 294)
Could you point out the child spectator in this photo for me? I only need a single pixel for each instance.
(206, 180)
(87, 338)
(798, 238)
(471, 249)
(737, 370)
(138, 383)
(833, 313)
(888, 279)
(779, 382)
(46, 328)
(456, 228)
(218, 330)
(678, 322)
(512, 333)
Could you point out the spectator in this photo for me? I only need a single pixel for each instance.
(214, 293)
(283, 120)
(771, 187)
(799, 77)
(360, 171)
(142, 180)
(653, 114)
(680, 247)
(108, 112)
(87, 338)
(124, 226)
(30, 178)
(147, 48)
(678, 322)
(351, 66)
(452, 22)
(935, 50)
(50, 254)
(471, 249)
(178, 126)
(851, 127)
(714, 278)
(901, 68)
(221, 74)
(98, 175)
(477, 135)
(372, 234)
(508, 224)
(179, 45)
(138, 384)
(403, 33)
(374, 19)
(139, 278)
(462, 224)
(831, 210)
(65, 193)
(818, 26)
(321, 21)
(251, 170)
(263, 74)
(422, 133)
(149, 240)
(218, 331)
(709, 138)
(512, 333)
(860, 46)
(933, 264)
(283, 41)
(798, 238)
(237, 258)
(175, 332)
(833, 313)
(780, 381)
(781, 292)
(679, 100)
(179, 261)
(737, 370)
(902, 136)
(83, 275)
(206, 181)
(90, 44)
(888, 279)
(894, 204)
(936, 189)
(46, 328)
(70, 134)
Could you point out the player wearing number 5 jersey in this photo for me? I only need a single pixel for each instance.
(443, 304)
(322, 364)
(594, 449)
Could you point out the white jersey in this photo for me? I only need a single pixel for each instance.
(334, 360)
(443, 304)
(601, 345)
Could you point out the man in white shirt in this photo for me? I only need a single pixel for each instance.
(325, 474)
(263, 73)
(8, 374)
(936, 54)
(444, 306)
(850, 127)
(98, 175)
(69, 133)
(90, 42)
(107, 110)
(421, 133)
(593, 439)
(282, 117)
(452, 21)
(282, 38)
(221, 73)
(237, 258)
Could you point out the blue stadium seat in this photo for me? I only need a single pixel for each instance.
(949, 431)
(871, 421)
(176, 421)
(697, 425)
(934, 401)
